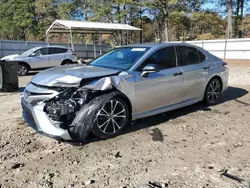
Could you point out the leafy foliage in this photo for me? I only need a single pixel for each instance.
(161, 20)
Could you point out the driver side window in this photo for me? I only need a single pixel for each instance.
(42, 51)
(165, 58)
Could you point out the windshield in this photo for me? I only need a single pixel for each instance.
(120, 58)
(30, 51)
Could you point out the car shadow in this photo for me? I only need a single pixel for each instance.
(21, 89)
(32, 73)
(232, 93)
(14, 91)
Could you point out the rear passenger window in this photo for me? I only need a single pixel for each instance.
(64, 50)
(57, 50)
(42, 51)
(165, 58)
(188, 55)
(202, 56)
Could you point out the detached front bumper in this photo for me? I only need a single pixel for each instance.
(38, 120)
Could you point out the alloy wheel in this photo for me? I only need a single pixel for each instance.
(22, 70)
(214, 90)
(112, 117)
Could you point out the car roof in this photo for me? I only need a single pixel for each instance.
(156, 46)
(54, 46)
(51, 46)
(159, 45)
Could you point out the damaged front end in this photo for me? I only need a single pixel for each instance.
(67, 113)
(62, 108)
(52, 112)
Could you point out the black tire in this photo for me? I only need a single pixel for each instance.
(23, 69)
(117, 123)
(67, 62)
(213, 92)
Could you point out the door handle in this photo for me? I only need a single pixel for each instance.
(206, 68)
(178, 73)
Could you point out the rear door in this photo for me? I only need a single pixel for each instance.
(56, 56)
(162, 88)
(195, 72)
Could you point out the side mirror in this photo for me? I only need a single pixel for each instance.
(32, 55)
(150, 68)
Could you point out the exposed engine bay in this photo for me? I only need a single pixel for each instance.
(64, 106)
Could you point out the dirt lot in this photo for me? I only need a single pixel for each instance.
(183, 148)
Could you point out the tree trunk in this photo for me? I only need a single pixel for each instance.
(241, 18)
(156, 29)
(229, 19)
(236, 19)
(166, 28)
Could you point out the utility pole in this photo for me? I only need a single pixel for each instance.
(140, 12)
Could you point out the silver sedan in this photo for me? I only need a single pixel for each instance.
(125, 84)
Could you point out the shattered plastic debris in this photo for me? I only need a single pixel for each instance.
(153, 184)
(233, 177)
(157, 184)
(157, 135)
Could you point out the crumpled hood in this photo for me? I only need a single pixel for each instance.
(70, 75)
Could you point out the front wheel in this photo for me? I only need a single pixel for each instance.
(213, 92)
(111, 119)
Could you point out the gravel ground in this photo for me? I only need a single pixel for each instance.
(183, 148)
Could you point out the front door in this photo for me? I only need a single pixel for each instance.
(162, 88)
(40, 60)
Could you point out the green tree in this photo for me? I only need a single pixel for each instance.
(17, 19)
(46, 14)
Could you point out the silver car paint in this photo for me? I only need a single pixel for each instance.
(159, 92)
(42, 122)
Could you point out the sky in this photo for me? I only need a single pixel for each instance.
(214, 7)
(208, 6)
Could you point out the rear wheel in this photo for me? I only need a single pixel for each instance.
(111, 119)
(23, 69)
(67, 62)
(213, 92)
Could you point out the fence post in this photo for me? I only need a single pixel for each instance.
(26, 43)
(225, 49)
(1, 48)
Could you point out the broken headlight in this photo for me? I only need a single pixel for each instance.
(64, 106)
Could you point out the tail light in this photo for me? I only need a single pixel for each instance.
(224, 64)
(74, 54)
